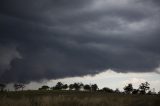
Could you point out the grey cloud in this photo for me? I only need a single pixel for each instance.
(62, 38)
(7, 54)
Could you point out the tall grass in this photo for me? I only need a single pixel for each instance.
(35, 98)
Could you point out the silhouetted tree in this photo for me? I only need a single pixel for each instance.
(117, 91)
(22, 86)
(77, 86)
(65, 86)
(159, 93)
(71, 87)
(135, 91)
(44, 87)
(94, 87)
(18, 86)
(2, 86)
(128, 89)
(59, 86)
(144, 87)
(87, 87)
(108, 90)
(82, 85)
(150, 92)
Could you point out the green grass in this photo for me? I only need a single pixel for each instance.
(73, 98)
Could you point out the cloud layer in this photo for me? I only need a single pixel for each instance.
(59, 38)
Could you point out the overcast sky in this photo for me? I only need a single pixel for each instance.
(55, 39)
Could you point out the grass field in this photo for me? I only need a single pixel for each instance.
(73, 98)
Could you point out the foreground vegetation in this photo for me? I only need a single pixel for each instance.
(75, 98)
(79, 94)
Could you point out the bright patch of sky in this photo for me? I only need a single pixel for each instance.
(109, 79)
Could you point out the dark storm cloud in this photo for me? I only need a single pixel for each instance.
(60, 38)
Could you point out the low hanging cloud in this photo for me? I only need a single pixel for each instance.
(49, 39)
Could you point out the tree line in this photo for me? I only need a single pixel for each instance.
(74, 86)
(17, 86)
(144, 88)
